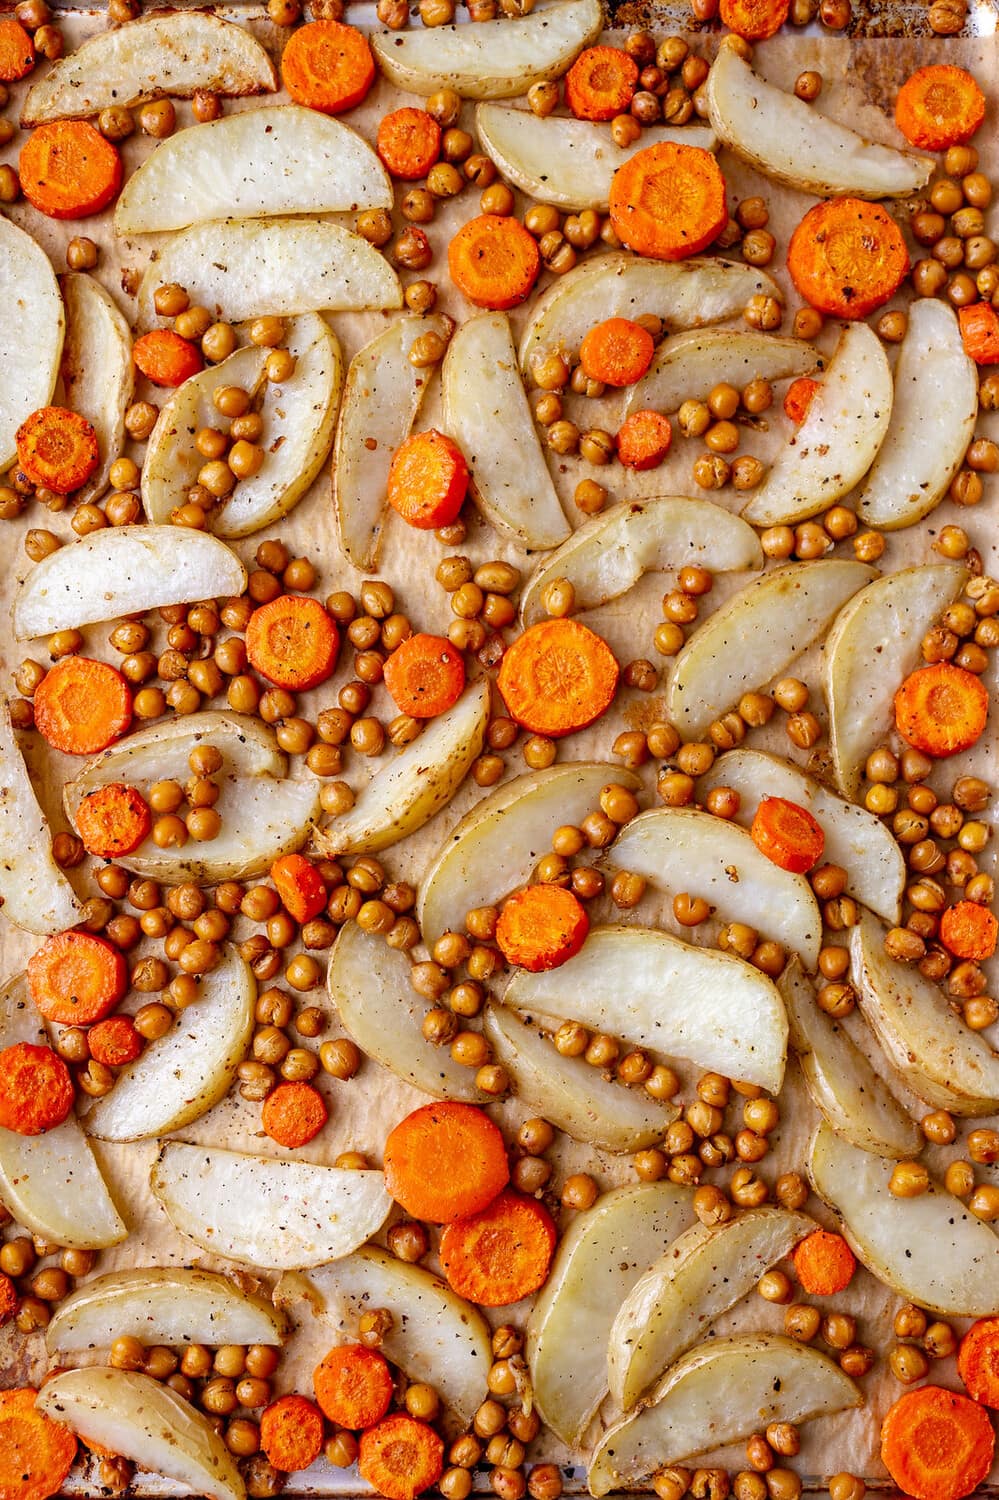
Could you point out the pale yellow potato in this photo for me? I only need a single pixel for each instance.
(29, 299)
(163, 1305)
(36, 894)
(97, 372)
(687, 366)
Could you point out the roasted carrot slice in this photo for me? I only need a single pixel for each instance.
(68, 170)
(82, 706)
(113, 820)
(824, 1263)
(644, 439)
(787, 834)
(76, 978)
(327, 66)
(559, 676)
(300, 886)
(114, 1041)
(400, 1457)
(617, 351)
(980, 332)
(293, 642)
(294, 1114)
(939, 106)
(936, 1444)
(978, 1361)
(500, 1254)
(847, 257)
(36, 1090)
(353, 1386)
(601, 83)
(425, 676)
(755, 20)
(408, 142)
(17, 50)
(291, 1433)
(57, 448)
(165, 358)
(8, 1301)
(668, 201)
(494, 261)
(941, 709)
(799, 396)
(36, 1453)
(428, 480)
(541, 927)
(969, 931)
(445, 1160)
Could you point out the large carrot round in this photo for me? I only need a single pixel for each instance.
(799, 396)
(847, 257)
(601, 83)
(978, 1361)
(294, 1114)
(668, 201)
(114, 1041)
(941, 709)
(113, 820)
(428, 480)
(787, 834)
(501, 1254)
(291, 1433)
(541, 927)
(82, 706)
(353, 1386)
(36, 1453)
(824, 1263)
(327, 66)
(939, 106)
(617, 351)
(165, 358)
(644, 439)
(400, 1457)
(68, 170)
(76, 978)
(293, 642)
(559, 676)
(980, 332)
(408, 142)
(755, 20)
(17, 50)
(969, 931)
(425, 676)
(57, 448)
(936, 1444)
(494, 261)
(300, 886)
(445, 1160)
(36, 1090)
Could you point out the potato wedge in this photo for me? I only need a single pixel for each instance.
(492, 60)
(697, 1278)
(123, 570)
(611, 552)
(246, 268)
(173, 52)
(928, 1249)
(412, 788)
(874, 642)
(29, 298)
(303, 162)
(687, 366)
(144, 1420)
(571, 1094)
(97, 371)
(854, 1099)
(781, 613)
(34, 891)
(854, 838)
(497, 844)
(265, 1211)
(789, 142)
(839, 439)
(487, 413)
(684, 849)
(649, 986)
(599, 1258)
(163, 1305)
(381, 400)
(765, 1377)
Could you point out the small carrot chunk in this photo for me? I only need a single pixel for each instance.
(408, 142)
(68, 170)
(787, 834)
(17, 50)
(425, 676)
(114, 1042)
(847, 257)
(291, 1433)
(617, 351)
(941, 709)
(8, 1299)
(36, 1453)
(113, 820)
(978, 1361)
(82, 706)
(36, 1089)
(294, 1114)
(353, 1386)
(939, 106)
(300, 886)
(969, 931)
(501, 1254)
(428, 480)
(327, 66)
(293, 642)
(559, 676)
(936, 1444)
(644, 439)
(754, 20)
(668, 201)
(494, 261)
(541, 927)
(601, 83)
(824, 1263)
(445, 1160)
(57, 448)
(76, 978)
(799, 396)
(165, 358)
(980, 332)
(400, 1457)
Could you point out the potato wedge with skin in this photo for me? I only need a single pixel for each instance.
(790, 142)
(97, 371)
(599, 1258)
(698, 1277)
(839, 439)
(29, 298)
(412, 788)
(781, 613)
(163, 1305)
(765, 1378)
(265, 1211)
(257, 164)
(608, 554)
(873, 644)
(144, 1420)
(688, 365)
(497, 844)
(34, 891)
(487, 413)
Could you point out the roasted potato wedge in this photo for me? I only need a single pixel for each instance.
(29, 298)
(97, 371)
(687, 366)
(163, 1305)
(35, 893)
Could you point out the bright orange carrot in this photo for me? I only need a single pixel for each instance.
(293, 642)
(601, 83)
(77, 978)
(68, 170)
(425, 676)
(941, 709)
(8, 1299)
(501, 1254)
(113, 820)
(668, 201)
(400, 1457)
(847, 257)
(327, 66)
(787, 834)
(541, 927)
(57, 448)
(617, 351)
(291, 1432)
(165, 358)
(494, 261)
(82, 706)
(755, 20)
(969, 931)
(408, 142)
(36, 1090)
(36, 1453)
(428, 480)
(445, 1160)
(559, 676)
(114, 1041)
(300, 886)
(294, 1114)
(799, 396)
(980, 332)
(17, 50)
(978, 1361)
(824, 1263)
(643, 440)
(939, 106)
(353, 1386)
(936, 1444)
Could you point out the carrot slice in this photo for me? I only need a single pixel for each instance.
(82, 706)
(408, 142)
(978, 1361)
(425, 676)
(68, 170)
(57, 448)
(559, 676)
(353, 1386)
(824, 1263)
(36, 1090)
(293, 642)
(617, 351)
(601, 83)
(36, 1453)
(494, 261)
(980, 332)
(644, 439)
(400, 1457)
(428, 480)
(114, 1042)
(17, 51)
(755, 20)
(799, 396)
(936, 1444)
(294, 1114)
(941, 709)
(165, 358)
(541, 927)
(8, 1299)
(501, 1254)
(113, 820)
(668, 201)
(291, 1432)
(847, 257)
(327, 66)
(76, 978)
(445, 1160)
(787, 834)
(939, 106)
(300, 886)
(969, 931)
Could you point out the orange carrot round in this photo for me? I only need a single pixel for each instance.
(969, 931)
(82, 706)
(165, 358)
(644, 439)
(617, 351)
(501, 1254)
(559, 676)
(8, 1299)
(494, 261)
(400, 1457)
(300, 886)
(408, 142)
(294, 1114)
(353, 1386)
(445, 1160)
(425, 676)
(978, 1361)
(327, 66)
(57, 448)
(824, 1263)
(601, 83)
(936, 1444)
(36, 1090)
(293, 642)
(68, 170)
(17, 50)
(291, 1433)
(541, 927)
(847, 257)
(428, 480)
(668, 201)
(114, 1041)
(980, 332)
(76, 978)
(113, 820)
(787, 834)
(939, 106)
(941, 709)
(755, 20)
(36, 1453)
(799, 396)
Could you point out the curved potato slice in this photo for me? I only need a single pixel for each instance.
(787, 141)
(564, 161)
(29, 298)
(684, 849)
(267, 1211)
(250, 267)
(781, 613)
(607, 555)
(574, 1096)
(97, 371)
(144, 1420)
(34, 892)
(253, 165)
(497, 844)
(929, 1249)
(873, 644)
(599, 1258)
(765, 1378)
(839, 439)
(491, 60)
(413, 787)
(687, 366)
(700, 1275)
(381, 401)
(649, 986)
(487, 413)
(123, 570)
(163, 1305)
(173, 53)
(932, 421)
